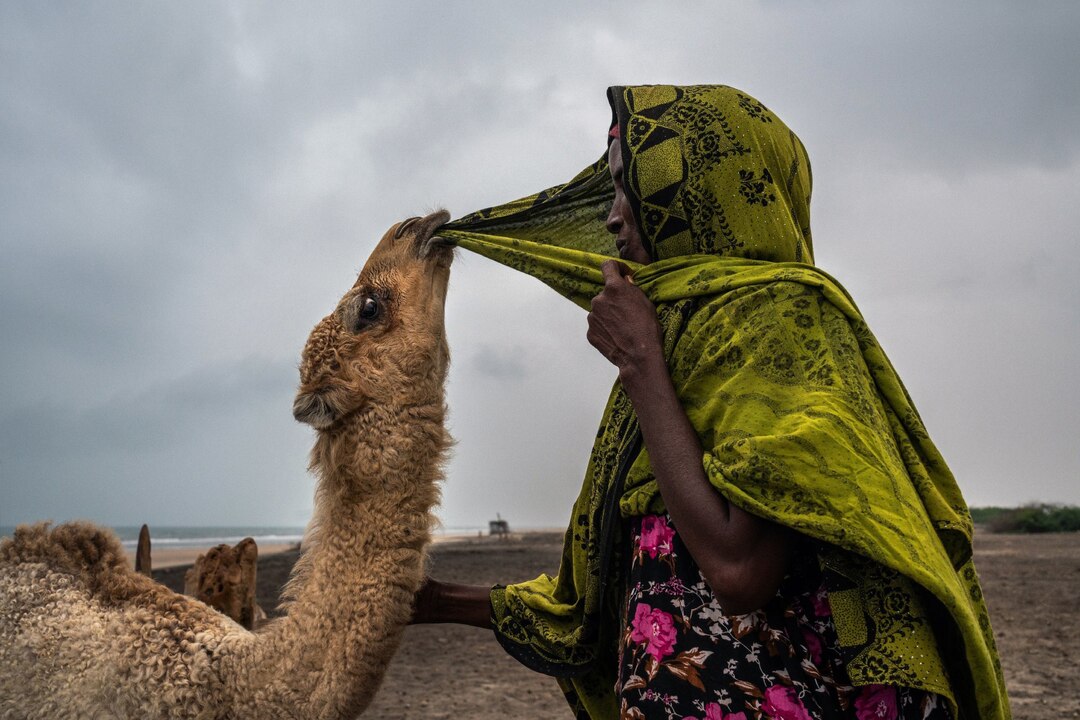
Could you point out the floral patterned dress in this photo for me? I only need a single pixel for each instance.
(682, 658)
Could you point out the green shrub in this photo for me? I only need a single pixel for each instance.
(1036, 518)
(985, 515)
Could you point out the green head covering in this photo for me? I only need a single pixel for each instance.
(709, 169)
(802, 418)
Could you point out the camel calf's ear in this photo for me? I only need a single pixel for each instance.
(142, 552)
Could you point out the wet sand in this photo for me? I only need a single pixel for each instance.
(170, 557)
(1031, 582)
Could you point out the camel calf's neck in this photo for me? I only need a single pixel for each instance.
(83, 635)
(366, 560)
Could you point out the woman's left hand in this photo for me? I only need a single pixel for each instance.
(622, 322)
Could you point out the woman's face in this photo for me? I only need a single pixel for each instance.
(620, 221)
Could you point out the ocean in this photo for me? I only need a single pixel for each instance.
(196, 536)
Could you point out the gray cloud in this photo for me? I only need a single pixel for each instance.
(194, 447)
(185, 191)
(501, 363)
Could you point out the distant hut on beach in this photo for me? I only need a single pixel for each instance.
(498, 527)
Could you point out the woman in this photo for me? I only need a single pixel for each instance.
(764, 527)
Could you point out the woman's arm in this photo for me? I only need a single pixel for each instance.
(439, 602)
(743, 557)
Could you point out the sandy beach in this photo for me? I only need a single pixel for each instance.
(170, 557)
(1032, 585)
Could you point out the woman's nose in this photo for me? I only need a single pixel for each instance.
(614, 220)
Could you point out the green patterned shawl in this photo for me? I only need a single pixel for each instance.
(803, 419)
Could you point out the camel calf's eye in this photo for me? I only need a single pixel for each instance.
(367, 311)
(369, 308)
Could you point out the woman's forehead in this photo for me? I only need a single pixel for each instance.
(615, 155)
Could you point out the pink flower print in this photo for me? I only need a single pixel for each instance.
(813, 645)
(673, 586)
(656, 535)
(656, 629)
(662, 697)
(876, 701)
(821, 603)
(713, 711)
(782, 703)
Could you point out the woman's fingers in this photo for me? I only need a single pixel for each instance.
(613, 270)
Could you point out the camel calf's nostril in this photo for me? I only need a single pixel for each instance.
(403, 226)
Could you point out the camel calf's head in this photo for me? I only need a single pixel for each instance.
(385, 342)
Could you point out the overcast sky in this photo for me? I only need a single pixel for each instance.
(186, 188)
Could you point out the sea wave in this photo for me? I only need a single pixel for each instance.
(212, 540)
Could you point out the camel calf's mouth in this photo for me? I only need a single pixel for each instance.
(427, 243)
(434, 244)
(312, 408)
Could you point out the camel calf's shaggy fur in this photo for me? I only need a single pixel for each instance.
(83, 635)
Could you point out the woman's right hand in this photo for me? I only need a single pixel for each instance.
(439, 602)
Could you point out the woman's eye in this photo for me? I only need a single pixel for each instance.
(369, 308)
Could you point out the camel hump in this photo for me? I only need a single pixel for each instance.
(76, 547)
